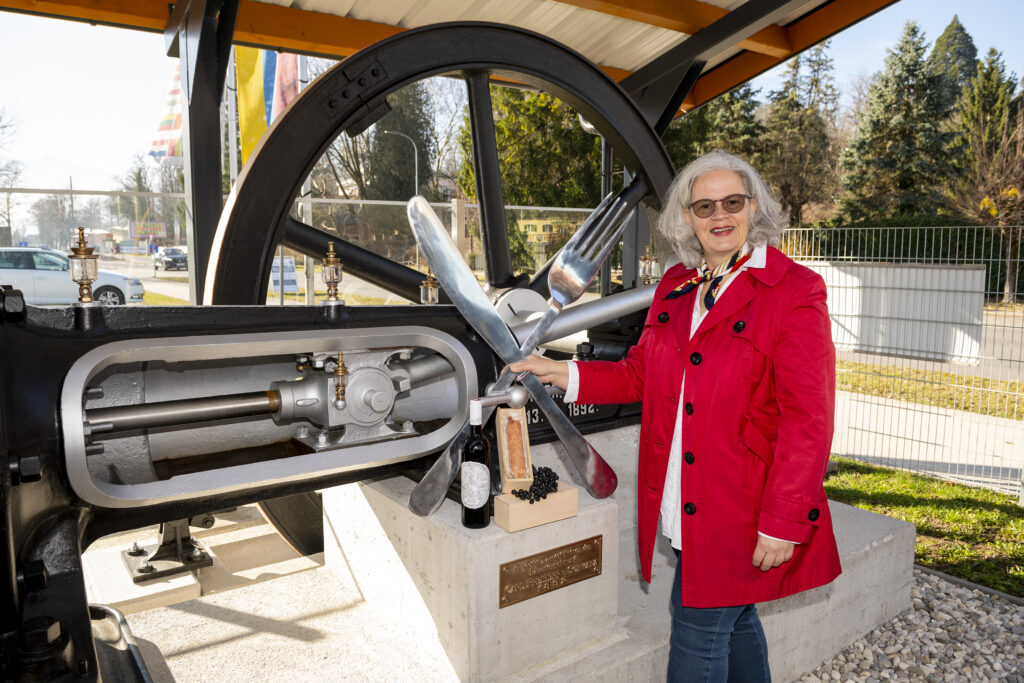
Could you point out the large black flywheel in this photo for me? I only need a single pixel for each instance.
(353, 96)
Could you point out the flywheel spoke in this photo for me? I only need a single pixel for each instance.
(493, 228)
(362, 263)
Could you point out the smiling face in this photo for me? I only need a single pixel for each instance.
(722, 233)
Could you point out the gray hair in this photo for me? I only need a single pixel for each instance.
(767, 221)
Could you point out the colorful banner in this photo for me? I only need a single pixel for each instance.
(166, 147)
(286, 83)
(269, 75)
(252, 104)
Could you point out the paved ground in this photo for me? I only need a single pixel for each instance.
(954, 444)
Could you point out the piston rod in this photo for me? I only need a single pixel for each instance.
(184, 411)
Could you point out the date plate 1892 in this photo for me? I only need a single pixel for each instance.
(544, 572)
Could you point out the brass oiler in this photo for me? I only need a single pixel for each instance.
(339, 378)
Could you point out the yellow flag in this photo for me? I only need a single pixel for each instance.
(252, 109)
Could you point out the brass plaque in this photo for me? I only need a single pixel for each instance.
(544, 572)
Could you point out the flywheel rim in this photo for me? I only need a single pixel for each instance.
(351, 91)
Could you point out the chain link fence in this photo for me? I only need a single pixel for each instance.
(930, 347)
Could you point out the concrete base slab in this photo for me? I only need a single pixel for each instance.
(394, 604)
(310, 626)
(108, 582)
(245, 550)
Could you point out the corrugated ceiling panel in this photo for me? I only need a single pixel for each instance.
(605, 39)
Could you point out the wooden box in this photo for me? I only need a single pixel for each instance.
(513, 514)
(514, 449)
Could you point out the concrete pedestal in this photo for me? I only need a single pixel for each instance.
(452, 572)
(611, 628)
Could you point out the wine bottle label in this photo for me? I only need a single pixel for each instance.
(476, 484)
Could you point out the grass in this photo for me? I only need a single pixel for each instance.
(997, 398)
(154, 299)
(1000, 307)
(967, 532)
(349, 299)
(171, 278)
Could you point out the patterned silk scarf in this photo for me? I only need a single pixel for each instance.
(705, 273)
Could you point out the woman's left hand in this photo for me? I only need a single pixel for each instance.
(771, 552)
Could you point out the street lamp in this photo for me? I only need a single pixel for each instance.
(415, 175)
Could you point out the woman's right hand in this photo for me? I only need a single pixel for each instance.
(548, 371)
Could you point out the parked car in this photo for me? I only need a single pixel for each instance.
(43, 277)
(170, 258)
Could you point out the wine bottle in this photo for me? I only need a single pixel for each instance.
(476, 473)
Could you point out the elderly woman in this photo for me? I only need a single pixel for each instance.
(736, 371)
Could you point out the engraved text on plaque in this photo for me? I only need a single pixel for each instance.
(544, 572)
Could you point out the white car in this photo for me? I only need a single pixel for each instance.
(43, 277)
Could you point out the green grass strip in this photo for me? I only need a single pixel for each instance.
(969, 532)
(154, 299)
(997, 398)
(349, 299)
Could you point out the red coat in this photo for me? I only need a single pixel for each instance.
(757, 429)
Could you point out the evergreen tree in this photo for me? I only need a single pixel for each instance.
(954, 60)
(519, 250)
(390, 166)
(988, 184)
(798, 155)
(728, 122)
(895, 161)
(687, 136)
(733, 124)
(984, 107)
(545, 156)
(818, 86)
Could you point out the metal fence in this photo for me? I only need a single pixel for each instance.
(930, 347)
(926, 320)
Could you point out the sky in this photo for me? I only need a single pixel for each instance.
(87, 99)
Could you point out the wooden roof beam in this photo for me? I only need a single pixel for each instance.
(689, 17)
(150, 15)
(259, 24)
(262, 24)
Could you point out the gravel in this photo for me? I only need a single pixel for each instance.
(950, 633)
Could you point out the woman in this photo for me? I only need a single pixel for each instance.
(736, 371)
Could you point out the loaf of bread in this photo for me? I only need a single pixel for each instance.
(516, 450)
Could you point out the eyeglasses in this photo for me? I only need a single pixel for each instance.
(734, 203)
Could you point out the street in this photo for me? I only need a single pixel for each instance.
(175, 282)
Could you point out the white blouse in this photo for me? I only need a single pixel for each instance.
(671, 503)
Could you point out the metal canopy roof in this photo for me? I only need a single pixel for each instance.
(622, 36)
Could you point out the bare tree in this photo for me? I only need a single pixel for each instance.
(448, 104)
(6, 128)
(10, 173)
(859, 86)
(341, 171)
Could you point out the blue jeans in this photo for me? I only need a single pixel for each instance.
(716, 644)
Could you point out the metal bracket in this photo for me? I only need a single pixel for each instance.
(339, 100)
(175, 553)
(660, 86)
